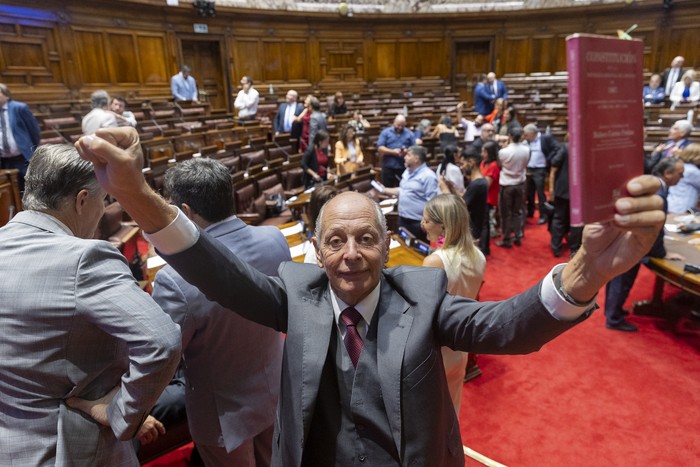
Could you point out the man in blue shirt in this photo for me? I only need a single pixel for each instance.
(392, 145)
(419, 184)
(654, 93)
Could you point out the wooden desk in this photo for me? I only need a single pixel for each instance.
(672, 271)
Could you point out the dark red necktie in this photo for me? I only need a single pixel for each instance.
(353, 341)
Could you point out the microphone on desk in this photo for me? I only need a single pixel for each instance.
(284, 152)
(245, 174)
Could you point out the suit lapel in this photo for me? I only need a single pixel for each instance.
(393, 327)
(318, 319)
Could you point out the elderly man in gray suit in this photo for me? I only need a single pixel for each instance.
(74, 323)
(362, 376)
(232, 365)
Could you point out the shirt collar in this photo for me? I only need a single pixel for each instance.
(366, 307)
(211, 226)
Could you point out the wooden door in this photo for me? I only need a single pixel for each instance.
(471, 58)
(204, 57)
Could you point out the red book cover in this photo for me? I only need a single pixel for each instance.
(606, 122)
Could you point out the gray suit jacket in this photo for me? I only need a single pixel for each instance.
(416, 317)
(74, 322)
(317, 122)
(232, 365)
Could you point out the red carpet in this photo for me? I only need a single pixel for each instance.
(592, 397)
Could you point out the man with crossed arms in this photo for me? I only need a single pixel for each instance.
(362, 376)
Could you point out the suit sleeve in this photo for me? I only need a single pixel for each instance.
(225, 279)
(278, 121)
(519, 325)
(31, 124)
(108, 296)
(171, 299)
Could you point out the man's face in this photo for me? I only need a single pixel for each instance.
(117, 106)
(529, 137)
(411, 160)
(399, 124)
(478, 120)
(677, 62)
(291, 97)
(676, 133)
(185, 74)
(351, 248)
(655, 81)
(3, 99)
(487, 132)
(491, 77)
(245, 83)
(673, 177)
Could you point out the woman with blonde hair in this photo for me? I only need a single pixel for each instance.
(683, 196)
(687, 90)
(348, 152)
(445, 216)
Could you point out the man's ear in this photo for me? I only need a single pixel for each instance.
(80, 200)
(319, 258)
(187, 210)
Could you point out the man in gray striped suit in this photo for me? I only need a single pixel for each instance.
(74, 326)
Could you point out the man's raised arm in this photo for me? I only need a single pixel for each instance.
(118, 160)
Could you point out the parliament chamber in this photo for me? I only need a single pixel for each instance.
(420, 63)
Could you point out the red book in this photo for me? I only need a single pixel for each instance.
(606, 122)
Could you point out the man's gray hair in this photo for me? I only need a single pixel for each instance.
(99, 99)
(419, 151)
(56, 173)
(530, 129)
(381, 222)
(667, 164)
(685, 126)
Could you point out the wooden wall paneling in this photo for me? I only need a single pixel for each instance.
(684, 41)
(295, 60)
(341, 60)
(471, 57)
(29, 54)
(91, 57)
(273, 51)
(543, 53)
(121, 50)
(432, 58)
(408, 59)
(248, 60)
(386, 59)
(515, 55)
(205, 56)
(153, 60)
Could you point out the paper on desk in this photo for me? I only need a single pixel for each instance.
(671, 228)
(394, 244)
(300, 250)
(293, 229)
(388, 202)
(292, 199)
(387, 209)
(155, 262)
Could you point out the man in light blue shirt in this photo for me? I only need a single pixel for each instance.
(419, 184)
(183, 85)
(392, 144)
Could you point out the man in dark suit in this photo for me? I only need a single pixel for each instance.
(362, 373)
(19, 134)
(669, 171)
(500, 91)
(230, 397)
(561, 219)
(673, 74)
(284, 120)
(542, 149)
(483, 97)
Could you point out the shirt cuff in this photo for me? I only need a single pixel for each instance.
(555, 302)
(178, 236)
